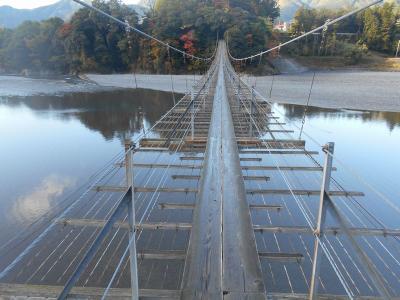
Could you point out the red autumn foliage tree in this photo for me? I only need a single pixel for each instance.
(188, 40)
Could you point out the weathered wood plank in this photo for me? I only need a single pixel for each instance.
(328, 230)
(304, 192)
(281, 256)
(125, 225)
(192, 206)
(17, 291)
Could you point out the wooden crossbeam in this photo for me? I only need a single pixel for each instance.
(27, 291)
(304, 192)
(281, 256)
(202, 158)
(125, 225)
(267, 151)
(202, 141)
(258, 228)
(254, 168)
(172, 166)
(192, 206)
(283, 168)
(197, 177)
(328, 230)
(248, 191)
(162, 255)
(24, 291)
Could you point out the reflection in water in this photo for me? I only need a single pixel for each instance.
(392, 119)
(115, 114)
(29, 207)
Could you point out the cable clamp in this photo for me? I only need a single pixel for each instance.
(326, 25)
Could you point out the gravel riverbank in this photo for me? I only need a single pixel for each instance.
(360, 90)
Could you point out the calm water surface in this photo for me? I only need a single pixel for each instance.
(49, 145)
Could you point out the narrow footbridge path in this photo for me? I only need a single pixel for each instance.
(217, 200)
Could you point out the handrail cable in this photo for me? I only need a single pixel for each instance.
(306, 216)
(146, 212)
(352, 224)
(127, 25)
(322, 27)
(360, 178)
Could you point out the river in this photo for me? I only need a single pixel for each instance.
(50, 144)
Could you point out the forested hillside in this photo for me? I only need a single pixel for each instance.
(89, 42)
(377, 28)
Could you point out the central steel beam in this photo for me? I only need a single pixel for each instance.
(222, 260)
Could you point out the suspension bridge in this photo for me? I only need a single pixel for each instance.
(218, 200)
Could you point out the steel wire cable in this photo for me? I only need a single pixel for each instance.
(183, 135)
(147, 212)
(371, 246)
(300, 197)
(130, 27)
(274, 234)
(46, 217)
(366, 241)
(66, 247)
(322, 27)
(309, 221)
(354, 173)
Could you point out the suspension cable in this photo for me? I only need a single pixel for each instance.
(127, 25)
(322, 27)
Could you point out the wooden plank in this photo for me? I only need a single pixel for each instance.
(152, 149)
(274, 144)
(25, 291)
(125, 225)
(292, 296)
(108, 188)
(281, 256)
(121, 189)
(256, 178)
(265, 207)
(283, 168)
(172, 166)
(197, 177)
(186, 177)
(255, 168)
(162, 255)
(192, 206)
(164, 190)
(329, 230)
(304, 192)
(175, 206)
(248, 191)
(199, 158)
(267, 151)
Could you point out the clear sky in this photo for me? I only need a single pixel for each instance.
(37, 3)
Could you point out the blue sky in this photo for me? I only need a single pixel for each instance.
(37, 3)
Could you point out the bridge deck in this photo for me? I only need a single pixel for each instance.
(214, 213)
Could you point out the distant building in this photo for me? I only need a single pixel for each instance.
(282, 26)
(221, 3)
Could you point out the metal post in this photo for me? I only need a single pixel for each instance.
(192, 113)
(238, 91)
(95, 246)
(251, 111)
(129, 148)
(326, 178)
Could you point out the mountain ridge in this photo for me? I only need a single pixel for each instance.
(11, 17)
